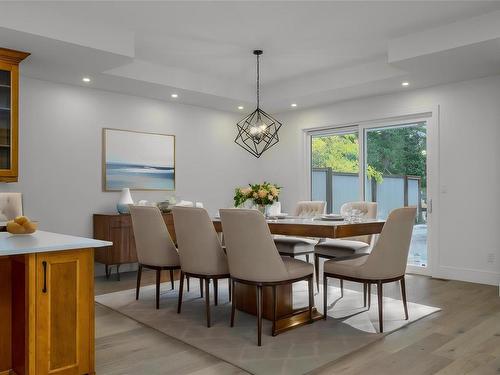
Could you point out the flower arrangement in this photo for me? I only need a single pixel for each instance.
(260, 194)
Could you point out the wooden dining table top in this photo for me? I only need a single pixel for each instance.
(315, 227)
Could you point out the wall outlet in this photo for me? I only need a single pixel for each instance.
(491, 258)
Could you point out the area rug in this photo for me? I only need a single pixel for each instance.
(348, 328)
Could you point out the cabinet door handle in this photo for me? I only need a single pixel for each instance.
(44, 265)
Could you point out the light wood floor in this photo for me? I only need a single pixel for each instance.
(464, 338)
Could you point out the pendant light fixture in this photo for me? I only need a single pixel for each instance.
(258, 131)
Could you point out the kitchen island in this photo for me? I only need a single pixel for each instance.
(47, 304)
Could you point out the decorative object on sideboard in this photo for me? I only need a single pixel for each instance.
(124, 201)
(21, 225)
(263, 196)
(144, 202)
(166, 205)
(184, 203)
(138, 160)
(258, 131)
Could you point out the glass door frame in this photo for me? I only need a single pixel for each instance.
(431, 117)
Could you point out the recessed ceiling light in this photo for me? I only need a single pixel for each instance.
(293, 105)
(174, 96)
(405, 84)
(241, 107)
(86, 79)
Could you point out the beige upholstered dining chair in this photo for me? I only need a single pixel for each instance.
(11, 206)
(155, 248)
(386, 263)
(337, 248)
(200, 251)
(295, 246)
(309, 208)
(254, 260)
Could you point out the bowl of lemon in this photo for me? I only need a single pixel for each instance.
(21, 225)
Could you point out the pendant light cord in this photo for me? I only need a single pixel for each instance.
(258, 82)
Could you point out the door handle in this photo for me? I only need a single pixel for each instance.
(44, 265)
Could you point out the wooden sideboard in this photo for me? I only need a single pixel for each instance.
(117, 228)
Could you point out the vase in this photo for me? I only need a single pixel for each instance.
(273, 209)
(262, 209)
(124, 201)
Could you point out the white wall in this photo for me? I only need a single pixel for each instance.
(469, 146)
(60, 157)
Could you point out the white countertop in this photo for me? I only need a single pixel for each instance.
(41, 242)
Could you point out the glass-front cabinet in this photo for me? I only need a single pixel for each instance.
(9, 109)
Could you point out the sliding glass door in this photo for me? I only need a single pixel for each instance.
(396, 176)
(392, 159)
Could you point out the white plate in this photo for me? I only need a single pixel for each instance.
(331, 217)
(279, 216)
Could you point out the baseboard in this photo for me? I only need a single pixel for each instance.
(469, 275)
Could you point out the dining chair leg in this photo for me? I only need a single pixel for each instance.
(172, 279)
(229, 284)
(275, 308)
(311, 297)
(139, 274)
(216, 292)
(380, 303)
(325, 296)
(187, 283)
(307, 258)
(369, 295)
(259, 315)
(316, 269)
(158, 276)
(341, 288)
(207, 301)
(201, 287)
(233, 303)
(181, 288)
(364, 294)
(403, 293)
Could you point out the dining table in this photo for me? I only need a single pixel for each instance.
(289, 316)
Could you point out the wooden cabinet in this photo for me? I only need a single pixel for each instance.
(47, 313)
(9, 113)
(64, 300)
(117, 228)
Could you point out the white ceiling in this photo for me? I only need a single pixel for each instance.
(314, 52)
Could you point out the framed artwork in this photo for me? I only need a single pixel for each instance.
(138, 160)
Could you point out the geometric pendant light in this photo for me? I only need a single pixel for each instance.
(258, 131)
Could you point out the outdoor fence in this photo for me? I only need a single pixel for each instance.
(395, 191)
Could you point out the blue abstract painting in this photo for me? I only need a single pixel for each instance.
(139, 161)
